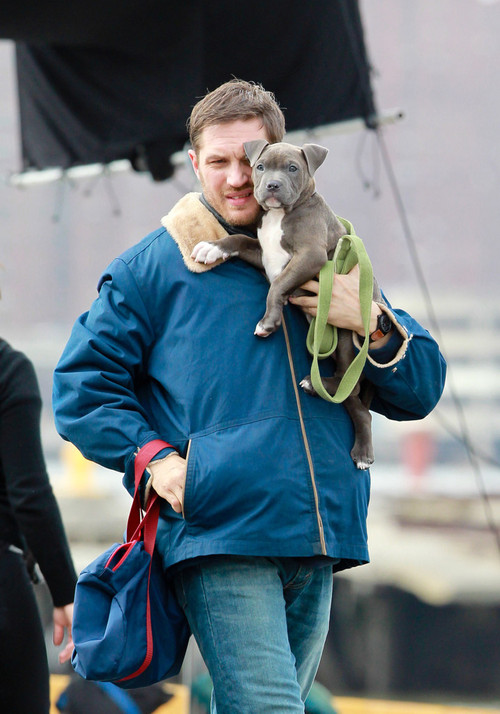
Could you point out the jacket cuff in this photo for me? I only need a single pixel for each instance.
(394, 350)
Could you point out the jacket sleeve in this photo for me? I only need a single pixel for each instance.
(409, 380)
(94, 397)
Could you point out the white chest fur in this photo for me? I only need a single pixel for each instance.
(274, 256)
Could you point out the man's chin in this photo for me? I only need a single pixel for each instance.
(242, 222)
(243, 217)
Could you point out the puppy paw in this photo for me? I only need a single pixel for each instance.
(363, 465)
(208, 253)
(306, 385)
(362, 461)
(264, 328)
(262, 331)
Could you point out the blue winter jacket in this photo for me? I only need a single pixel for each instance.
(168, 351)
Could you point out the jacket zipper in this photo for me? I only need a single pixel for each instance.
(305, 439)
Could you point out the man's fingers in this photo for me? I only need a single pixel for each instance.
(176, 499)
(65, 655)
(174, 494)
(58, 634)
(306, 302)
(169, 478)
(311, 286)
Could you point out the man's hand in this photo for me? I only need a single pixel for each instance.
(345, 310)
(63, 618)
(169, 479)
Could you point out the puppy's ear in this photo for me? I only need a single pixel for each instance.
(314, 155)
(253, 149)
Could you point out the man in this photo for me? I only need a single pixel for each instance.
(262, 501)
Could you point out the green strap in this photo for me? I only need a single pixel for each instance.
(322, 338)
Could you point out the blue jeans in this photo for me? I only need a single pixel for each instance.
(261, 625)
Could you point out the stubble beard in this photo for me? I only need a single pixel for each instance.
(242, 219)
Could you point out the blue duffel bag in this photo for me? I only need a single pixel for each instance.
(128, 627)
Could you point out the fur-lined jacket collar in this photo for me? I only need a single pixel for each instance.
(189, 222)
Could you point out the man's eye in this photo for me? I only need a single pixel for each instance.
(292, 168)
(259, 167)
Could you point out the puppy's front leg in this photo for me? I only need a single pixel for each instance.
(237, 245)
(302, 267)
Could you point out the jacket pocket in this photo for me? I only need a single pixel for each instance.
(248, 480)
(186, 483)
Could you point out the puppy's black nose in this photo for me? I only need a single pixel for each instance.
(273, 185)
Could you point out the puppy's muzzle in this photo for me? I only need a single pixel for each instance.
(273, 194)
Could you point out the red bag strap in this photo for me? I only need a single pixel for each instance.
(147, 527)
(149, 524)
(144, 456)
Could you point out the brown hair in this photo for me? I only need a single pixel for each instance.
(236, 100)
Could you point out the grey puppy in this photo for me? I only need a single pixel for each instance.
(297, 234)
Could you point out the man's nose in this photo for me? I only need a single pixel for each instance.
(239, 174)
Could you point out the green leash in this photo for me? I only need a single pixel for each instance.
(322, 338)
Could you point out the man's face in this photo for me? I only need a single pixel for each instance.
(224, 172)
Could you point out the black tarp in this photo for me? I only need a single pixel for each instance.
(101, 81)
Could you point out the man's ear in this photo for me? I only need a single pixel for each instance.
(194, 161)
(314, 155)
(253, 149)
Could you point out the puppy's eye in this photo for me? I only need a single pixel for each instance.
(293, 168)
(259, 167)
